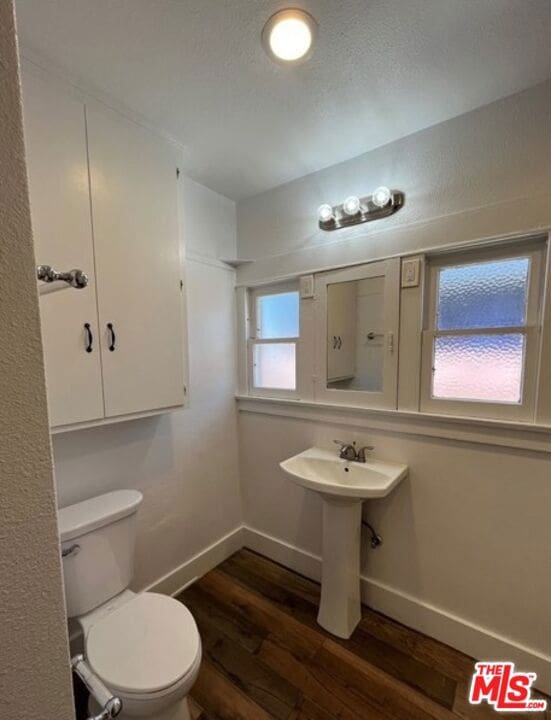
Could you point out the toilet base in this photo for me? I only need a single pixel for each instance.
(177, 711)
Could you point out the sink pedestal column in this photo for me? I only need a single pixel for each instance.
(340, 609)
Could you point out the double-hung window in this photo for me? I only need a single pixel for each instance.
(482, 337)
(274, 334)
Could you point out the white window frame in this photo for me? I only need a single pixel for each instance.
(387, 398)
(253, 339)
(525, 410)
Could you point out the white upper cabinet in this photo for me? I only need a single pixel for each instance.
(104, 198)
(135, 212)
(55, 138)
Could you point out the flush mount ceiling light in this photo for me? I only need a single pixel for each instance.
(288, 36)
(354, 210)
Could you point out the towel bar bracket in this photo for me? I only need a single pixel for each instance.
(110, 704)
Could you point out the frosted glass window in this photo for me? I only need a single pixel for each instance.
(274, 366)
(277, 315)
(486, 368)
(483, 295)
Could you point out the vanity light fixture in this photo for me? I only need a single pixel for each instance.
(289, 34)
(353, 211)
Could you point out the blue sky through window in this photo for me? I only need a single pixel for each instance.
(278, 315)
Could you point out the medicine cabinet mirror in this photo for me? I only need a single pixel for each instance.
(357, 334)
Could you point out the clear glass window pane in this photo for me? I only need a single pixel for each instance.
(483, 295)
(277, 316)
(274, 366)
(487, 368)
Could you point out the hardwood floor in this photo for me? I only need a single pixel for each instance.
(266, 658)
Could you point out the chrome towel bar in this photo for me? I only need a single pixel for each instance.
(110, 704)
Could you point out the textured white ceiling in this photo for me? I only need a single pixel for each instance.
(381, 69)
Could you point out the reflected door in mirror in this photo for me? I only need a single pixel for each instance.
(355, 335)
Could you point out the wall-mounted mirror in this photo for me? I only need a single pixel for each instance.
(357, 321)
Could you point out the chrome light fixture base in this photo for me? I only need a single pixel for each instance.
(368, 211)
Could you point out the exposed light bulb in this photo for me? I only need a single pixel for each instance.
(381, 196)
(325, 212)
(351, 205)
(288, 35)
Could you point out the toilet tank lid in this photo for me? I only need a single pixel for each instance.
(83, 517)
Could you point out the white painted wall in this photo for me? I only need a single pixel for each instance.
(483, 173)
(184, 462)
(466, 538)
(34, 662)
(210, 220)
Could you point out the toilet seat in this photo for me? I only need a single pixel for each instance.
(147, 647)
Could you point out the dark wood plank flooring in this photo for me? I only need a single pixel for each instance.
(266, 658)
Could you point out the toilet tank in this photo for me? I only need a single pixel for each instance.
(97, 542)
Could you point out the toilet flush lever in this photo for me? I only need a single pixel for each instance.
(110, 704)
(73, 549)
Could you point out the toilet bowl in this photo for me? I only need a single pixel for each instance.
(147, 651)
(145, 647)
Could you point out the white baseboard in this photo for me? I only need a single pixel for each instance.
(458, 632)
(200, 564)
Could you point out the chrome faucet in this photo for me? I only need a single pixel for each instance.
(349, 452)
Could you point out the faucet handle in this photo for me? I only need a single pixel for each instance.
(342, 443)
(345, 445)
(347, 450)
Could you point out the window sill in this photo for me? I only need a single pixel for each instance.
(503, 433)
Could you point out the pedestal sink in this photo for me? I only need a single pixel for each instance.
(343, 486)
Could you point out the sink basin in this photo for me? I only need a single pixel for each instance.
(325, 472)
(343, 487)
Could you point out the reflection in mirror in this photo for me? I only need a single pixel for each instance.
(355, 335)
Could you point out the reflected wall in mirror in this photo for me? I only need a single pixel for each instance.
(355, 335)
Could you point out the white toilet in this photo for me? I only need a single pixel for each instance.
(145, 647)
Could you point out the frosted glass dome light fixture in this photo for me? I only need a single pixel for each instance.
(289, 35)
(355, 210)
(351, 205)
(381, 196)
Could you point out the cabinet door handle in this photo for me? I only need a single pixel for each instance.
(89, 338)
(113, 336)
(334, 342)
(340, 342)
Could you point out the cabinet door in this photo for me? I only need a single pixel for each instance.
(55, 139)
(136, 240)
